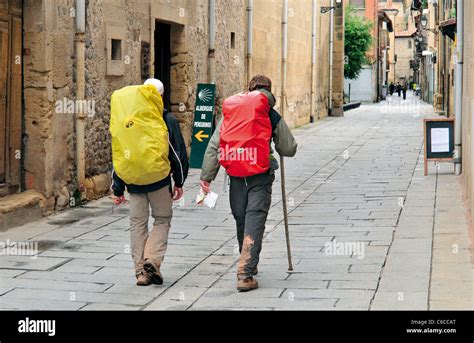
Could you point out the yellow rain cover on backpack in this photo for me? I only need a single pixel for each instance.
(139, 135)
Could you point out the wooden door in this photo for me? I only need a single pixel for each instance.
(4, 57)
(11, 109)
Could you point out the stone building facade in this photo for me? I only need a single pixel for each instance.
(468, 104)
(438, 40)
(405, 41)
(126, 41)
(399, 13)
(405, 31)
(445, 23)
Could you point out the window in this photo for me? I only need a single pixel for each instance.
(232, 40)
(358, 3)
(410, 44)
(116, 51)
(145, 60)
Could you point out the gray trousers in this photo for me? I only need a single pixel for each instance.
(250, 200)
(150, 245)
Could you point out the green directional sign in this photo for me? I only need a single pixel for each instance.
(203, 120)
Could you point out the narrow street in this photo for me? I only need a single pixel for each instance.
(368, 231)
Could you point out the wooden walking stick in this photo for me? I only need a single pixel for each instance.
(285, 212)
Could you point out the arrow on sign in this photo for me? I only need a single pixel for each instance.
(200, 135)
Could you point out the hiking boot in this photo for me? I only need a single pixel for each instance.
(153, 271)
(245, 285)
(143, 279)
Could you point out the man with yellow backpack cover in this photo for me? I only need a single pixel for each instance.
(148, 151)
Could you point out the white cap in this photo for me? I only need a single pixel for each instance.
(157, 83)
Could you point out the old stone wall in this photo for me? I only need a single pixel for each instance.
(48, 139)
(267, 56)
(405, 53)
(50, 73)
(229, 60)
(299, 63)
(338, 63)
(189, 50)
(468, 103)
(322, 60)
(50, 76)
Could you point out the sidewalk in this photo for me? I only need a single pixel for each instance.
(368, 231)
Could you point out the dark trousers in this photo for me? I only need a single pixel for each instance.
(250, 200)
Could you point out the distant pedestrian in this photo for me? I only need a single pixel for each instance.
(404, 90)
(249, 124)
(392, 88)
(141, 128)
(399, 89)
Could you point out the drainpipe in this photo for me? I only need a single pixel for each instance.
(152, 42)
(395, 48)
(378, 60)
(212, 42)
(384, 70)
(284, 57)
(249, 40)
(318, 91)
(313, 59)
(331, 57)
(80, 91)
(22, 185)
(458, 88)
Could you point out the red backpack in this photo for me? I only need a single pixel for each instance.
(245, 134)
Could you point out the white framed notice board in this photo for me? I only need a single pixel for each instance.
(439, 140)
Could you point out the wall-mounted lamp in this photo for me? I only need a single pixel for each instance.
(424, 21)
(325, 9)
(424, 24)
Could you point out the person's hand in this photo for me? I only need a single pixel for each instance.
(177, 193)
(206, 186)
(119, 200)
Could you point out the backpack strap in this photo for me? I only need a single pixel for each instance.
(274, 119)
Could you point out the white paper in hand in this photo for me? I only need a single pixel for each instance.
(200, 197)
(211, 199)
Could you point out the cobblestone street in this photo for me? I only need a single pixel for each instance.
(368, 231)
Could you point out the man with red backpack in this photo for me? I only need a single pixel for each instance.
(241, 144)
